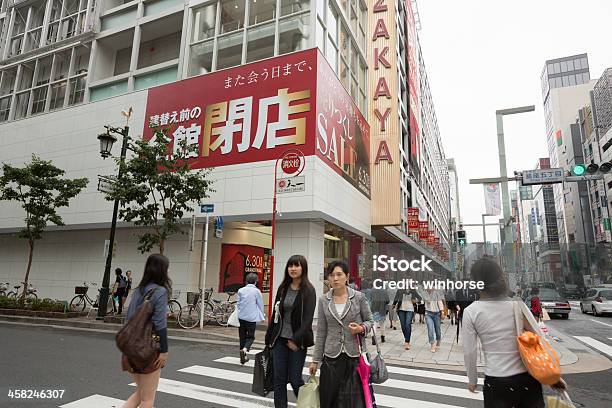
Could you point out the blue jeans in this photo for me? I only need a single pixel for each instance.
(288, 366)
(433, 324)
(405, 318)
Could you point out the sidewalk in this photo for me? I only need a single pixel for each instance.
(448, 356)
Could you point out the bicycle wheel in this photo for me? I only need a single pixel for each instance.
(174, 308)
(32, 296)
(224, 312)
(189, 316)
(210, 312)
(77, 304)
(12, 294)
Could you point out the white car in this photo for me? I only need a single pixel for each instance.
(597, 301)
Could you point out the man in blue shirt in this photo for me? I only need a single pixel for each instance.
(250, 311)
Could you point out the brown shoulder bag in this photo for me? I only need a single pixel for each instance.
(136, 339)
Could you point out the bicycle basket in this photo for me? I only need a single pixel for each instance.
(80, 290)
(176, 294)
(192, 297)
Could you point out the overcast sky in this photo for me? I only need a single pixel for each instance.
(484, 55)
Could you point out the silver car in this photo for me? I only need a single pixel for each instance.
(597, 301)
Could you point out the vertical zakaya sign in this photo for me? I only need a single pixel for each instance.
(383, 86)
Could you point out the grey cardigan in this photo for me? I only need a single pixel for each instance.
(333, 335)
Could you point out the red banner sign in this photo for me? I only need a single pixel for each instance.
(256, 112)
(413, 220)
(423, 230)
(343, 134)
(431, 238)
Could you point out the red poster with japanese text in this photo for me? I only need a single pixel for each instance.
(431, 238)
(423, 230)
(258, 111)
(413, 220)
(237, 261)
(253, 112)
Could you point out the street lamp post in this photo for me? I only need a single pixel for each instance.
(499, 115)
(106, 144)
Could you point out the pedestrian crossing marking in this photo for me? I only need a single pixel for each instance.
(213, 395)
(597, 321)
(391, 383)
(95, 401)
(597, 345)
(217, 397)
(391, 369)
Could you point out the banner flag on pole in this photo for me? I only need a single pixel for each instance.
(492, 199)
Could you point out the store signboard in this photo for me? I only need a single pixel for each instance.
(250, 113)
(413, 220)
(343, 134)
(423, 230)
(291, 185)
(259, 111)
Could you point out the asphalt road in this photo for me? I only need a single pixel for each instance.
(87, 363)
(585, 327)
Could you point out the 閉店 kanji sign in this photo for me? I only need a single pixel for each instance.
(258, 111)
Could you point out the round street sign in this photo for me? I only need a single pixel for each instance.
(292, 162)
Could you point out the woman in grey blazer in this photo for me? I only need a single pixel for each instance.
(343, 315)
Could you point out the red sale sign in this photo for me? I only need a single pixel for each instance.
(413, 220)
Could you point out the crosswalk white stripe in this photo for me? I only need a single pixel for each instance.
(95, 401)
(214, 395)
(597, 321)
(597, 345)
(391, 383)
(391, 369)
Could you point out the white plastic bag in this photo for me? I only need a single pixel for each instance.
(309, 394)
(233, 319)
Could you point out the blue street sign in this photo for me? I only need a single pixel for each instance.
(219, 223)
(207, 208)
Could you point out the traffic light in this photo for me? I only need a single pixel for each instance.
(461, 239)
(581, 169)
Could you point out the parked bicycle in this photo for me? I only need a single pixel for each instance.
(214, 309)
(80, 301)
(3, 288)
(30, 293)
(174, 307)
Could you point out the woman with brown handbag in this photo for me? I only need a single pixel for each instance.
(154, 288)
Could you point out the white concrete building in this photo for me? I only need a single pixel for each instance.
(69, 67)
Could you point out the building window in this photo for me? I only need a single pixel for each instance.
(39, 98)
(261, 11)
(21, 105)
(229, 52)
(77, 90)
(232, 15)
(201, 58)
(58, 92)
(293, 6)
(260, 42)
(5, 107)
(204, 22)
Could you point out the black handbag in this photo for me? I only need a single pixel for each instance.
(263, 373)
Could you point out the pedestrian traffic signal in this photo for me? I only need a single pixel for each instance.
(461, 239)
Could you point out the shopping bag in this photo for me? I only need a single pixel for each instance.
(263, 373)
(378, 368)
(233, 319)
(308, 396)
(561, 400)
(545, 315)
(538, 356)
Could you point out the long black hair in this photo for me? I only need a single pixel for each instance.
(156, 271)
(296, 260)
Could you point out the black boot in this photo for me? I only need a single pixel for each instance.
(373, 341)
(382, 339)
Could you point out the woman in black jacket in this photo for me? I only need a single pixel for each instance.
(289, 331)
